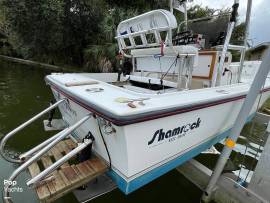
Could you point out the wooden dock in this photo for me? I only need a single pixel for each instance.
(69, 176)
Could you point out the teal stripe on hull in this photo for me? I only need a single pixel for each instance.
(128, 187)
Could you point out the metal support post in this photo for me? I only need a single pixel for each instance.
(239, 124)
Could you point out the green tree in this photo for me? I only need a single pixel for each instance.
(77, 32)
(54, 29)
(197, 11)
(238, 34)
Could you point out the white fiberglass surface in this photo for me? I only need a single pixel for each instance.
(106, 99)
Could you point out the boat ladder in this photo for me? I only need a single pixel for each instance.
(53, 155)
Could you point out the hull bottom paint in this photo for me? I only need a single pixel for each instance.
(140, 181)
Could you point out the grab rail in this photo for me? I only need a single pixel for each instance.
(27, 154)
(59, 162)
(22, 126)
(61, 136)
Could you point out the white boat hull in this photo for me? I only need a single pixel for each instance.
(142, 151)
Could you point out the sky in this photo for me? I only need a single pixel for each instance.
(260, 16)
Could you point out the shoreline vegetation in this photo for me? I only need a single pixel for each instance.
(74, 33)
(37, 64)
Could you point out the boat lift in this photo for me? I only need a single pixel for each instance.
(222, 188)
(227, 188)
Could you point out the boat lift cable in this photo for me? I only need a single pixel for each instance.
(253, 161)
(105, 144)
(251, 133)
(242, 163)
(260, 142)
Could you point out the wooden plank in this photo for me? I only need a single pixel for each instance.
(42, 190)
(96, 164)
(68, 177)
(34, 169)
(50, 185)
(85, 170)
(46, 161)
(71, 144)
(57, 155)
(64, 178)
(59, 184)
(59, 146)
(62, 147)
(76, 184)
(70, 174)
(79, 174)
(65, 147)
(49, 153)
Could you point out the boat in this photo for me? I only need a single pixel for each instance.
(172, 100)
(152, 123)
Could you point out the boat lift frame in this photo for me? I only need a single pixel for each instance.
(254, 91)
(227, 189)
(216, 186)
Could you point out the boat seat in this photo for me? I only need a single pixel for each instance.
(168, 51)
(151, 60)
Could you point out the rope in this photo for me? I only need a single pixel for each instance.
(246, 147)
(105, 144)
(162, 48)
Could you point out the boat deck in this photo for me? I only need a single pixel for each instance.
(69, 176)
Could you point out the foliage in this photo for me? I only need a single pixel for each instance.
(238, 37)
(139, 5)
(238, 34)
(198, 11)
(100, 58)
(53, 28)
(77, 32)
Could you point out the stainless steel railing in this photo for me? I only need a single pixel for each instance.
(19, 128)
(60, 136)
(32, 151)
(59, 162)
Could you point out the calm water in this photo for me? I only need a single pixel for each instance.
(23, 93)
